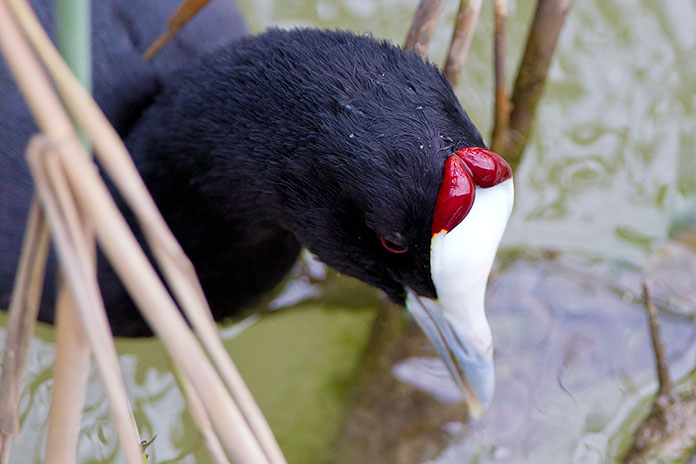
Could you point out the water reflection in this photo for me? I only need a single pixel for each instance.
(570, 352)
(573, 361)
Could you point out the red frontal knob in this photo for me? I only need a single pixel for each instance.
(468, 168)
(456, 196)
(488, 168)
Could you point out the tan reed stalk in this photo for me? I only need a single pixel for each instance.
(501, 112)
(423, 26)
(197, 410)
(70, 375)
(467, 16)
(658, 345)
(24, 307)
(531, 75)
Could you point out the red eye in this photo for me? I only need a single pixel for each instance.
(393, 247)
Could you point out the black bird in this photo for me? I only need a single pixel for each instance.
(256, 146)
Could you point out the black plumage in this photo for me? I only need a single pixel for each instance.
(298, 138)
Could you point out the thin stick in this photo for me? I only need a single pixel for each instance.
(190, 296)
(37, 90)
(531, 76)
(177, 268)
(501, 116)
(72, 348)
(73, 251)
(467, 16)
(423, 26)
(24, 307)
(71, 372)
(197, 410)
(5, 446)
(658, 345)
(175, 23)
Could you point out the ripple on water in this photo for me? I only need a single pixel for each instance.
(588, 358)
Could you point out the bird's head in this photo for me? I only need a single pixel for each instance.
(403, 196)
(433, 251)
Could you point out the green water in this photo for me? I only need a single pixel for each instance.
(610, 169)
(298, 364)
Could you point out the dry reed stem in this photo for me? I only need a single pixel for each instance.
(175, 23)
(24, 306)
(177, 268)
(200, 418)
(71, 370)
(5, 442)
(74, 252)
(70, 374)
(467, 16)
(158, 309)
(501, 113)
(423, 26)
(531, 75)
(37, 90)
(662, 366)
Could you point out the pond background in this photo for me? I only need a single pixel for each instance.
(609, 172)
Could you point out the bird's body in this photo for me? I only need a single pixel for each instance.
(124, 85)
(265, 144)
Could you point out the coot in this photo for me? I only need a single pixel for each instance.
(256, 146)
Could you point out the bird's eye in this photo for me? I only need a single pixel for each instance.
(392, 246)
